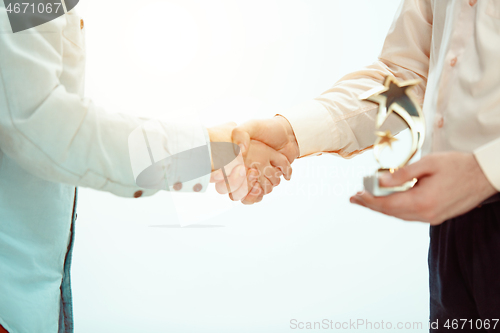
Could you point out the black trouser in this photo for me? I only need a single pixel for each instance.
(464, 271)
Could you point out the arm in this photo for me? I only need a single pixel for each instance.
(56, 134)
(337, 121)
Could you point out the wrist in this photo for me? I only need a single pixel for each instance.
(220, 133)
(290, 133)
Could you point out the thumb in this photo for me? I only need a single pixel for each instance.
(242, 135)
(399, 177)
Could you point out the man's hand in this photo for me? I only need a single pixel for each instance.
(264, 167)
(276, 132)
(449, 184)
(237, 185)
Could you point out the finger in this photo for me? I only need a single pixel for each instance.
(234, 163)
(416, 170)
(268, 156)
(273, 175)
(357, 201)
(399, 205)
(241, 135)
(265, 184)
(281, 162)
(216, 176)
(365, 199)
(252, 178)
(234, 181)
(258, 172)
(245, 188)
(254, 195)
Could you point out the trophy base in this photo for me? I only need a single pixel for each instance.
(372, 186)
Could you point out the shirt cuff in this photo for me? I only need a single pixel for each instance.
(198, 184)
(314, 128)
(488, 157)
(171, 156)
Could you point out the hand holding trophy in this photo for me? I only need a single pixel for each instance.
(395, 97)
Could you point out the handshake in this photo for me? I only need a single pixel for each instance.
(268, 147)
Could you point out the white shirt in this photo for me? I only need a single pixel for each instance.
(52, 139)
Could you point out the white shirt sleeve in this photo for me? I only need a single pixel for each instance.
(56, 134)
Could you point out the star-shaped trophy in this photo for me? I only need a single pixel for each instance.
(395, 97)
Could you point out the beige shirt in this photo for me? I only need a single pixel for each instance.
(454, 47)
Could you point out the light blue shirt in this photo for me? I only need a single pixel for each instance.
(52, 139)
(35, 232)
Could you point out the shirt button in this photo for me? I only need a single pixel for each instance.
(81, 24)
(178, 186)
(138, 194)
(440, 123)
(197, 187)
(472, 2)
(453, 62)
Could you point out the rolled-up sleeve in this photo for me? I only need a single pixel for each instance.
(337, 121)
(59, 136)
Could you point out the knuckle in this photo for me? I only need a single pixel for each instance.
(268, 171)
(236, 132)
(283, 160)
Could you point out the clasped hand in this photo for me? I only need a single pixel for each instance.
(268, 147)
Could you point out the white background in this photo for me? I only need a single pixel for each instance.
(305, 252)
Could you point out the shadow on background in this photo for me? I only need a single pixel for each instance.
(176, 226)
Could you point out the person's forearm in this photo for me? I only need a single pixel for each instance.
(337, 121)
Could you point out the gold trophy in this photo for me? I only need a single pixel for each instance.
(395, 97)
